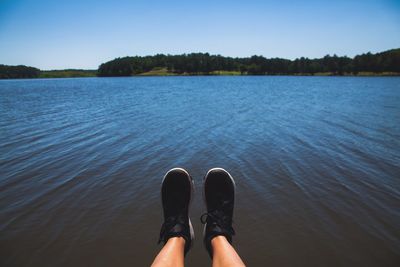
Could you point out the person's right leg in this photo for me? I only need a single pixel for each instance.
(219, 194)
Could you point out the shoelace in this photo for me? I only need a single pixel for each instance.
(219, 218)
(169, 223)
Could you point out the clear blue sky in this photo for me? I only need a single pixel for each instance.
(55, 34)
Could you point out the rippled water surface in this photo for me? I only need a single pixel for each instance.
(316, 161)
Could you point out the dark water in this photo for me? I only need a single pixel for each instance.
(316, 161)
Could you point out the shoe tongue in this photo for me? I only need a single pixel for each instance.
(217, 229)
(177, 228)
(222, 225)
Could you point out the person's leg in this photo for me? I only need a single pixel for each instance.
(172, 254)
(224, 254)
(219, 194)
(177, 231)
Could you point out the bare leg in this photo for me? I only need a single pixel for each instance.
(172, 254)
(224, 254)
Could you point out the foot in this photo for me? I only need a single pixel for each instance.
(176, 194)
(219, 195)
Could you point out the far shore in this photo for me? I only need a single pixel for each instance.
(203, 64)
(238, 73)
(165, 72)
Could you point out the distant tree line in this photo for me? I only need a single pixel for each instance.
(21, 71)
(204, 63)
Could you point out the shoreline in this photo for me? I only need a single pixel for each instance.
(223, 73)
(56, 75)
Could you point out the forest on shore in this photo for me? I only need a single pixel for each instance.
(17, 72)
(368, 64)
(205, 64)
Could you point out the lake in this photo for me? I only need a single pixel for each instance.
(316, 161)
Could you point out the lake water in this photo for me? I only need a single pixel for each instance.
(316, 161)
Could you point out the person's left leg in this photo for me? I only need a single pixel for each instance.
(176, 231)
(219, 194)
(224, 254)
(172, 254)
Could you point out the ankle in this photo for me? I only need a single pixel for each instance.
(218, 240)
(177, 240)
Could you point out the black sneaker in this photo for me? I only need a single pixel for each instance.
(219, 196)
(176, 194)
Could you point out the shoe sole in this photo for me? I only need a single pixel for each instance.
(204, 191)
(190, 201)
